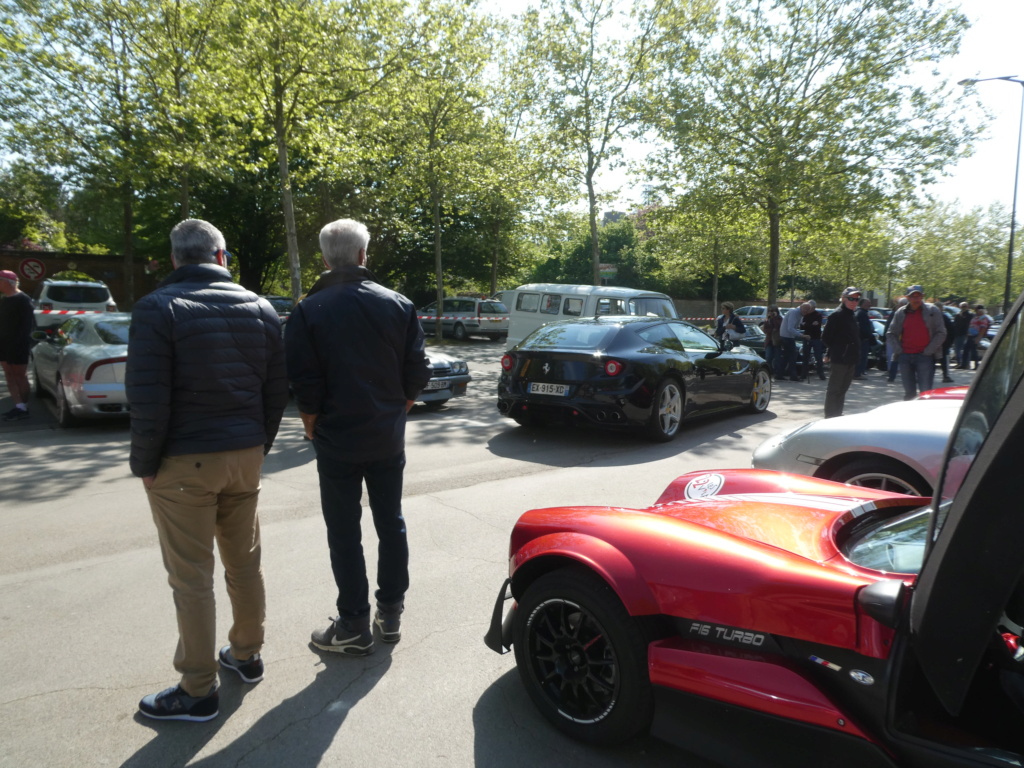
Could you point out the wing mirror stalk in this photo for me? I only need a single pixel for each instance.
(883, 601)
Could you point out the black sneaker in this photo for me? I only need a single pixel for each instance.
(15, 414)
(351, 637)
(250, 670)
(175, 704)
(388, 621)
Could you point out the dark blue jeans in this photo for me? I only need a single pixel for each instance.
(787, 365)
(917, 373)
(341, 489)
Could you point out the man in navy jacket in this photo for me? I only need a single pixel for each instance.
(206, 383)
(356, 361)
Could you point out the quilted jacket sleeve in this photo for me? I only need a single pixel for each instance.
(148, 382)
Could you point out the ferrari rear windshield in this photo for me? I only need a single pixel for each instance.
(574, 335)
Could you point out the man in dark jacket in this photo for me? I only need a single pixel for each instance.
(866, 331)
(206, 383)
(356, 361)
(841, 337)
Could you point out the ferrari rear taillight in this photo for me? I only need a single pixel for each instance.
(103, 370)
(613, 367)
(507, 361)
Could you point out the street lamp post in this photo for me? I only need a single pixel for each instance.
(1016, 178)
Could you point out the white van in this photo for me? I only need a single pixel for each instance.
(531, 306)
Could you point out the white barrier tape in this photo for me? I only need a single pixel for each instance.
(70, 311)
(458, 317)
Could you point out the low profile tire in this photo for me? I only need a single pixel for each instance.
(64, 416)
(37, 385)
(883, 474)
(459, 332)
(666, 411)
(761, 392)
(434, 405)
(583, 658)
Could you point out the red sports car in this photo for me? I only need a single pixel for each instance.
(765, 619)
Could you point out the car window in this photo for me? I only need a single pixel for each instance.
(1003, 371)
(528, 302)
(493, 308)
(570, 335)
(78, 294)
(893, 545)
(113, 331)
(612, 307)
(653, 307)
(694, 340)
(448, 306)
(663, 336)
(572, 307)
(549, 303)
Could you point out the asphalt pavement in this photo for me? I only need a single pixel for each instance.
(87, 623)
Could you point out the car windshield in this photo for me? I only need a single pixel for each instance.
(570, 335)
(1003, 370)
(113, 331)
(894, 545)
(77, 294)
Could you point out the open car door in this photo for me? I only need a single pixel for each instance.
(975, 560)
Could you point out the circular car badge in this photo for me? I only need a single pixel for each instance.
(703, 486)
(862, 677)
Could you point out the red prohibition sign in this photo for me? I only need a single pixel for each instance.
(32, 269)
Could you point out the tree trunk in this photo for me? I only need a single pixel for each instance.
(716, 264)
(435, 210)
(291, 238)
(774, 247)
(185, 195)
(595, 250)
(128, 216)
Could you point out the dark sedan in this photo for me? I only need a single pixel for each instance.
(628, 372)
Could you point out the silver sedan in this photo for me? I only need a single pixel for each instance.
(81, 365)
(896, 447)
(449, 377)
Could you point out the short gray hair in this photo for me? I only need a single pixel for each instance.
(194, 241)
(341, 241)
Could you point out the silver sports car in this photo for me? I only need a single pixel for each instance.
(81, 364)
(895, 447)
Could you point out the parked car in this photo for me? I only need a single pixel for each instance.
(449, 377)
(57, 298)
(281, 304)
(646, 373)
(772, 620)
(895, 447)
(465, 317)
(753, 338)
(81, 365)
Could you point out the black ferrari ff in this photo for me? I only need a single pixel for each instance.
(649, 373)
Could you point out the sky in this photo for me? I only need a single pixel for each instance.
(992, 47)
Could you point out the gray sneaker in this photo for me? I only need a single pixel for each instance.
(250, 670)
(388, 621)
(349, 636)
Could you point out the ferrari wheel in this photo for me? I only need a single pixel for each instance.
(666, 411)
(582, 658)
(883, 474)
(761, 394)
(64, 416)
(459, 332)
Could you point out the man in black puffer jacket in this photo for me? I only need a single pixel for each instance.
(357, 363)
(206, 383)
(842, 348)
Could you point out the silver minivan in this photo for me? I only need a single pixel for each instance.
(462, 317)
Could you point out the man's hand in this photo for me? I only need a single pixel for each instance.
(409, 404)
(308, 423)
(147, 482)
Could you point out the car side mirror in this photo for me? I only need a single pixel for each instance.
(883, 601)
(40, 335)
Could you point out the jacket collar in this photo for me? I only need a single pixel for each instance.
(349, 273)
(198, 273)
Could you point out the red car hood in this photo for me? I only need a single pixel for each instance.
(795, 513)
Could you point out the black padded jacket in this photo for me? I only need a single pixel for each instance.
(205, 370)
(355, 354)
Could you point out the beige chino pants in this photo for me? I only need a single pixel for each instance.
(195, 499)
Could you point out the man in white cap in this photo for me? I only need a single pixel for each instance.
(16, 320)
(916, 334)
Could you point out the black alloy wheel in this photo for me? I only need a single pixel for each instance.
(582, 658)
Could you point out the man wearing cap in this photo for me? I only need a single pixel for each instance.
(841, 336)
(916, 335)
(961, 325)
(15, 342)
